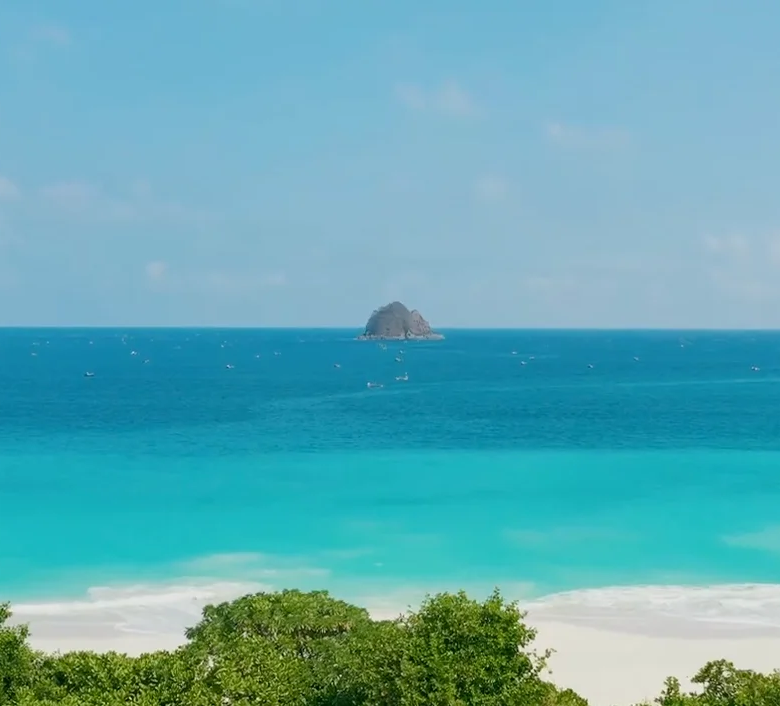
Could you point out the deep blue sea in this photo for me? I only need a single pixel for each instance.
(555, 460)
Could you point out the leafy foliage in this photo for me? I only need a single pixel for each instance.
(458, 651)
(309, 649)
(16, 659)
(724, 685)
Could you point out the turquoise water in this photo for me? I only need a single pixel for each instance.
(659, 464)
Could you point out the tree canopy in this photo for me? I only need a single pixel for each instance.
(292, 648)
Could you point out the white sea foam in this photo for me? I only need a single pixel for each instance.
(164, 611)
(109, 617)
(680, 611)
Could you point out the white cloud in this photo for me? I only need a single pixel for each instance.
(55, 35)
(575, 137)
(743, 268)
(8, 190)
(453, 100)
(274, 279)
(491, 189)
(70, 195)
(89, 203)
(156, 270)
(729, 245)
(448, 99)
(742, 250)
(37, 40)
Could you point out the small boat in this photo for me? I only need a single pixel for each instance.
(230, 366)
(374, 385)
(336, 365)
(399, 359)
(403, 378)
(89, 374)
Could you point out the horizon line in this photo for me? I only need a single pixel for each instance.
(228, 327)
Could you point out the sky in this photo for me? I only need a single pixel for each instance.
(301, 162)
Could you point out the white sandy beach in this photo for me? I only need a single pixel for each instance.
(613, 646)
(617, 669)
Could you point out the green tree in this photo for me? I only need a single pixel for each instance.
(304, 649)
(456, 651)
(90, 679)
(722, 684)
(16, 658)
(279, 648)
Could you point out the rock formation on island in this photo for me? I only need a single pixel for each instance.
(395, 322)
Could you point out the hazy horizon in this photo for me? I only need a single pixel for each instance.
(358, 329)
(601, 165)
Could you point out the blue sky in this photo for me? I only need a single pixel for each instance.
(258, 162)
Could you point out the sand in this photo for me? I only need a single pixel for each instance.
(613, 646)
(618, 669)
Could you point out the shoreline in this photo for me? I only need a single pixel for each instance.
(400, 339)
(614, 646)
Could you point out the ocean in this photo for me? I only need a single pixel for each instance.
(541, 462)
